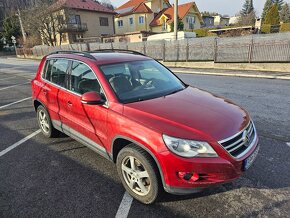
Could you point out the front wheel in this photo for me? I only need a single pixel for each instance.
(138, 174)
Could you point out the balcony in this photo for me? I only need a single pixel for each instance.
(73, 27)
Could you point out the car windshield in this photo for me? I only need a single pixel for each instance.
(141, 80)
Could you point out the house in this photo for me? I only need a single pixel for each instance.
(221, 21)
(258, 23)
(234, 20)
(136, 15)
(82, 19)
(154, 16)
(208, 21)
(188, 13)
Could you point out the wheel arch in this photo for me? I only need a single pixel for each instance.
(120, 142)
(37, 103)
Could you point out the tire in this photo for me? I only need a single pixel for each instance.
(134, 179)
(45, 124)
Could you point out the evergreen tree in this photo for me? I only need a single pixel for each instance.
(285, 13)
(247, 7)
(267, 6)
(272, 17)
(280, 3)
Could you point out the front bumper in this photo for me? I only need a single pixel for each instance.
(210, 171)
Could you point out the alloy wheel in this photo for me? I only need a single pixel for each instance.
(136, 176)
(43, 121)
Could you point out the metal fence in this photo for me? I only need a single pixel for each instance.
(245, 49)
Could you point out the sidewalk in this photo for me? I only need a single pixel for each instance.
(234, 73)
(190, 68)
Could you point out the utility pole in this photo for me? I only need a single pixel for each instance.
(21, 26)
(175, 19)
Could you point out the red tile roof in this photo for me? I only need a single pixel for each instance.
(130, 3)
(88, 5)
(134, 6)
(169, 13)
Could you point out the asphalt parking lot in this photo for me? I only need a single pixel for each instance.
(59, 177)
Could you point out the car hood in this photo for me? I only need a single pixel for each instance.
(190, 113)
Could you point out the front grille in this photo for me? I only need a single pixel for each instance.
(240, 143)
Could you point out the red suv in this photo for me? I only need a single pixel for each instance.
(160, 132)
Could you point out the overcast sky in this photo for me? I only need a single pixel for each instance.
(230, 7)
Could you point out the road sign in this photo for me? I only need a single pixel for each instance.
(13, 41)
(13, 37)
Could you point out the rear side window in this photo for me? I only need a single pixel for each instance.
(83, 79)
(56, 71)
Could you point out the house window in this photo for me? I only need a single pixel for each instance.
(120, 23)
(75, 19)
(190, 19)
(104, 21)
(131, 21)
(141, 19)
(164, 26)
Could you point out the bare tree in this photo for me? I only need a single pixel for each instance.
(46, 21)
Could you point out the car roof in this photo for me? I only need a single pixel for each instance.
(101, 58)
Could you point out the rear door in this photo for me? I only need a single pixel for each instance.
(86, 122)
(54, 81)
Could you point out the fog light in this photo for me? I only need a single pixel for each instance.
(188, 176)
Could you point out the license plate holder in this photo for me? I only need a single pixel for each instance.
(251, 159)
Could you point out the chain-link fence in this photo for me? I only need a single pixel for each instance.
(245, 49)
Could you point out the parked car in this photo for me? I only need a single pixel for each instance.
(161, 133)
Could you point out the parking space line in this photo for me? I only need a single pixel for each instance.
(19, 143)
(125, 206)
(16, 102)
(8, 87)
(8, 78)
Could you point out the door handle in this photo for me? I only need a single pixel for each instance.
(44, 92)
(69, 104)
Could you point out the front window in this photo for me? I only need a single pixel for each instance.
(83, 79)
(141, 19)
(141, 80)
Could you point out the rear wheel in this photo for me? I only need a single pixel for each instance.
(45, 124)
(138, 174)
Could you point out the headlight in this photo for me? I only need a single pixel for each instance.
(189, 148)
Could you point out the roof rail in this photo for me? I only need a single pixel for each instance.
(118, 50)
(85, 54)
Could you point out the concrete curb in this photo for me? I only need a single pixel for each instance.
(260, 67)
(233, 75)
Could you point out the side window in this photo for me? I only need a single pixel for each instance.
(58, 71)
(48, 66)
(83, 79)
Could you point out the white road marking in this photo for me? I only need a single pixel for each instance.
(16, 102)
(288, 143)
(8, 87)
(19, 143)
(125, 206)
(8, 78)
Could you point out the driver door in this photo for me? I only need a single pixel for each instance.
(87, 123)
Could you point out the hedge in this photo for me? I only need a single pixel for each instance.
(285, 27)
(266, 28)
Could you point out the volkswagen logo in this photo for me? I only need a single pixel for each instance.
(246, 138)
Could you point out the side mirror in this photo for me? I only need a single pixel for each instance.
(92, 98)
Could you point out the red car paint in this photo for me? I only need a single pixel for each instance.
(188, 114)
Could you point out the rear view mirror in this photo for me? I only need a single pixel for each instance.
(92, 98)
